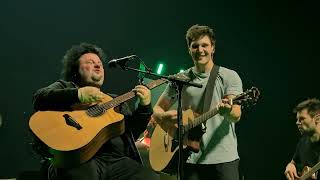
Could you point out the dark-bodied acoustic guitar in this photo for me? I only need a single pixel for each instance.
(75, 136)
(164, 143)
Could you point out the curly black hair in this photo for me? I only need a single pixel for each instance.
(311, 105)
(70, 61)
(197, 31)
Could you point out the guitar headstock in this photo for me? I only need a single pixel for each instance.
(247, 98)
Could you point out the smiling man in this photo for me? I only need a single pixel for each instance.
(82, 77)
(217, 158)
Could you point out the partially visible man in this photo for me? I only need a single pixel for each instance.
(218, 157)
(308, 148)
(83, 75)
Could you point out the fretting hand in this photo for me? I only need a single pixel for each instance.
(225, 106)
(143, 93)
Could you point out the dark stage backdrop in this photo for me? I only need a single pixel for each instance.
(272, 45)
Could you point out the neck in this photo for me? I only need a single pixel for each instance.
(204, 68)
(316, 136)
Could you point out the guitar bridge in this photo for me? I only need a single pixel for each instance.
(72, 122)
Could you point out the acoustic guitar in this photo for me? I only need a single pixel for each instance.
(73, 137)
(164, 143)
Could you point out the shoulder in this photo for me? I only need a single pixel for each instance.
(231, 81)
(65, 84)
(225, 72)
(229, 76)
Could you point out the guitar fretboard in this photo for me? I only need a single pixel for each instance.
(314, 169)
(204, 117)
(118, 100)
(98, 109)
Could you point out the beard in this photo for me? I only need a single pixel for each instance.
(308, 131)
(93, 80)
(96, 77)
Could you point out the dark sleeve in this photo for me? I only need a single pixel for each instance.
(57, 96)
(137, 120)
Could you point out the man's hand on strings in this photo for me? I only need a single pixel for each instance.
(143, 93)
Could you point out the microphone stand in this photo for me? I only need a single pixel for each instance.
(179, 84)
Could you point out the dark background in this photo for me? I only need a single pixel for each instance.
(272, 45)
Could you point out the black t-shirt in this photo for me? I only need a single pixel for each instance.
(119, 146)
(307, 153)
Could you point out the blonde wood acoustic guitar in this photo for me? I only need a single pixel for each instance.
(73, 137)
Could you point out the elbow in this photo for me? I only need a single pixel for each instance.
(38, 104)
(39, 101)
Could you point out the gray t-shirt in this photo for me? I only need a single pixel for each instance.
(219, 143)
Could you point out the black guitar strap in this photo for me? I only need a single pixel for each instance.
(208, 92)
(197, 132)
(210, 88)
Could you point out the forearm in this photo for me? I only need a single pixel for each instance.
(55, 97)
(140, 119)
(235, 114)
(167, 120)
(157, 113)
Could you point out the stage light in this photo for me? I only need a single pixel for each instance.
(160, 68)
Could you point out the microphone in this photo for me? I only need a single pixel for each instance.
(120, 61)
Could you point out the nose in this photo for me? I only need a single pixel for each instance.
(298, 122)
(97, 65)
(200, 49)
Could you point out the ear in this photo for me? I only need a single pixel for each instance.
(213, 48)
(317, 118)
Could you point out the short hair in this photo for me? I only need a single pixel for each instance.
(197, 31)
(70, 61)
(311, 105)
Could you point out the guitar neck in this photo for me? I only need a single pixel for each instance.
(129, 95)
(118, 100)
(314, 169)
(203, 118)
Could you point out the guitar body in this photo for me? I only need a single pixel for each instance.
(73, 136)
(164, 145)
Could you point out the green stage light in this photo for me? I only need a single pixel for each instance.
(160, 68)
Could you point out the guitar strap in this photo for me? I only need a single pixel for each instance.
(210, 88)
(197, 132)
(208, 92)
